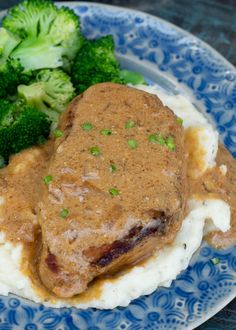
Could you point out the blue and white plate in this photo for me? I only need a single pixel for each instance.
(177, 61)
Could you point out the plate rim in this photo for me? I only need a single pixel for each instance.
(176, 27)
(217, 309)
(227, 64)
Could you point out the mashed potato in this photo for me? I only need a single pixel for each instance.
(197, 127)
(159, 270)
(163, 266)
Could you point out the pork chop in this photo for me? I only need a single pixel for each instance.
(118, 187)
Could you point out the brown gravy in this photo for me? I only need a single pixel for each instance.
(94, 290)
(111, 218)
(223, 186)
(20, 187)
(23, 178)
(29, 268)
(196, 153)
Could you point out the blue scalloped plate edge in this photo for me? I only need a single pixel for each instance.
(222, 61)
(175, 27)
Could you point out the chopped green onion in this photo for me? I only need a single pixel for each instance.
(160, 139)
(105, 132)
(64, 213)
(132, 144)
(113, 168)
(152, 138)
(57, 133)
(215, 261)
(47, 179)
(179, 121)
(170, 143)
(87, 126)
(114, 192)
(156, 138)
(95, 151)
(130, 124)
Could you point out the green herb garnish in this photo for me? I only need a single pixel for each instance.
(87, 126)
(179, 121)
(152, 138)
(156, 138)
(113, 168)
(64, 213)
(130, 124)
(47, 179)
(132, 144)
(95, 151)
(114, 191)
(159, 139)
(170, 143)
(57, 133)
(215, 261)
(105, 132)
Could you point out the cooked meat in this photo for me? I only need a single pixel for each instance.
(116, 195)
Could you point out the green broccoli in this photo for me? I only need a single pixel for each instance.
(134, 78)
(50, 93)
(10, 69)
(20, 127)
(50, 35)
(96, 62)
(8, 42)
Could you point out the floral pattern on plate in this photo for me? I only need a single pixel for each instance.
(203, 288)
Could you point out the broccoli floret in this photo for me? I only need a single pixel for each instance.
(30, 18)
(66, 31)
(8, 42)
(10, 69)
(10, 77)
(51, 92)
(12, 72)
(94, 63)
(50, 35)
(20, 127)
(133, 78)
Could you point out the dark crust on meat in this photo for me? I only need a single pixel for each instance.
(135, 236)
(51, 262)
(66, 122)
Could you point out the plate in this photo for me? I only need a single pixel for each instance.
(176, 60)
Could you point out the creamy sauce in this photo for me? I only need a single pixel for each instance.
(215, 183)
(95, 288)
(21, 186)
(29, 268)
(195, 151)
(80, 246)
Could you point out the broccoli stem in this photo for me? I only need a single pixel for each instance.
(8, 42)
(133, 78)
(38, 53)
